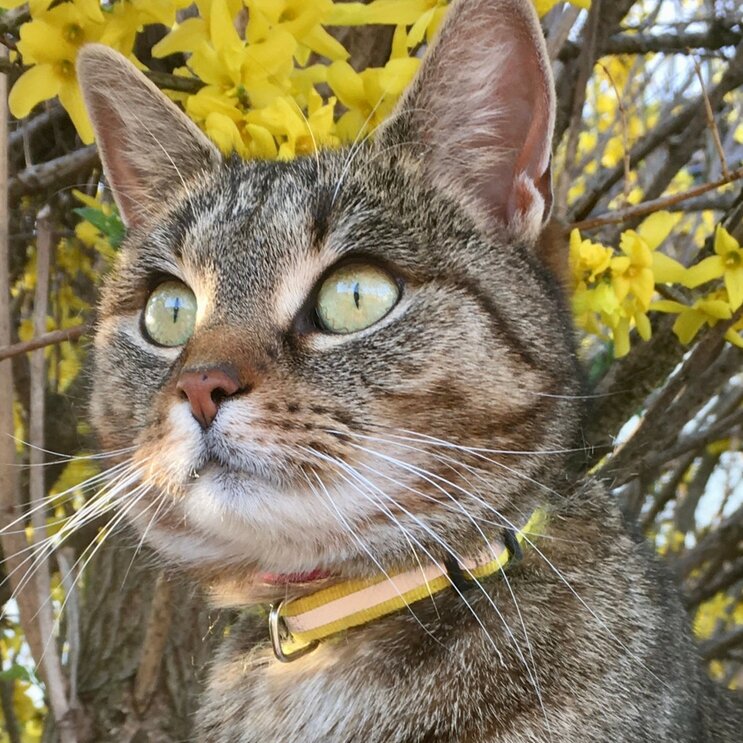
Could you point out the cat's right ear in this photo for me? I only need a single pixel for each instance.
(149, 148)
(480, 113)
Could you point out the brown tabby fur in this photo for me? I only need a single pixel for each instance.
(449, 419)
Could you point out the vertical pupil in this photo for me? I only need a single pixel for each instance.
(356, 295)
(176, 307)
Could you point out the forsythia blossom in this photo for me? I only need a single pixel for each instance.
(276, 84)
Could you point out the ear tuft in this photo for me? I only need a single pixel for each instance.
(149, 148)
(480, 114)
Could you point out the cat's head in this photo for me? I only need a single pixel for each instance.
(332, 362)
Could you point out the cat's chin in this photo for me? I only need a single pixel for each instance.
(244, 521)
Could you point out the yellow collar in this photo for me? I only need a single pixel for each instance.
(296, 626)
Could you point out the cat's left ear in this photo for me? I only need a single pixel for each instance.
(480, 114)
(149, 148)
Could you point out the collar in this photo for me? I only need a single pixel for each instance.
(297, 626)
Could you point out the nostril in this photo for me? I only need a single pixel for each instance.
(206, 390)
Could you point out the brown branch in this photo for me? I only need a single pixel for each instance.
(666, 493)
(48, 174)
(50, 660)
(677, 401)
(724, 539)
(47, 339)
(153, 647)
(719, 647)
(13, 540)
(585, 69)
(11, 21)
(711, 124)
(12, 728)
(686, 125)
(656, 205)
(178, 83)
(716, 37)
(708, 588)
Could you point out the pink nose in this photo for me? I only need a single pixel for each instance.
(205, 390)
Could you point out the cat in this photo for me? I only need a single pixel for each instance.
(354, 373)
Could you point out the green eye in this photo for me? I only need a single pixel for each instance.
(170, 314)
(354, 297)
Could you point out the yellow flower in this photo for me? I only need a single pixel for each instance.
(633, 271)
(302, 19)
(705, 311)
(587, 259)
(50, 43)
(369, 95)
(727, 263)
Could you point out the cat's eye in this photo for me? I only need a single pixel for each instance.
(355, 296)
(170, 314)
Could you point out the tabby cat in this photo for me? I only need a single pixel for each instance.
(352, 377)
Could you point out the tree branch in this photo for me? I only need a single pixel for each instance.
(48, 174)
(690, 121)
(715, 37)
(719, 647)
(47, 339)
(656, 205)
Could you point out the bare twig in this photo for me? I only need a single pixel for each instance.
(708, 588)
(54, 676)
(585, 67)
(178, 83)
(14, 543)
(648, 207)
(719, 647)
(156, 637)
(48, 174)
(711, 124)
(46, 339)
(716, 37)
(625, 132)
(686, 124)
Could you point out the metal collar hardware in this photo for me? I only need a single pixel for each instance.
(280, 634)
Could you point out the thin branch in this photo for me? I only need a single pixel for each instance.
(178, 83)
(711, 124)
(48, 174)
(656, 205)
(585, 69)
(719, 647)
(46, 339)
(54, 676)
(708, 588)
(14, 543)
(716, 37)
(153, 647)
(686, 124)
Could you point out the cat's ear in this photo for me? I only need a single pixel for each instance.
(481, 113)
(148, 147)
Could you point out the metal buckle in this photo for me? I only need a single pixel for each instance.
(279, 633)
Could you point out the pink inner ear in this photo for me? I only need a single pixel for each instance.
(484, 105)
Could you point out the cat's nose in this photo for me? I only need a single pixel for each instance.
(205, 390)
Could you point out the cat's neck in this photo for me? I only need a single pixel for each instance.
(506, 643)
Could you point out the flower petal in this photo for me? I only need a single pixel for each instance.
(734, 285)
(707, 270)
(667, 305)
(186, 37)
(735, 338)
(39, 83)
(724, 241)
(72, 99)
(667, 270)
(394, 12)
(687, 325)
(656, 228)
